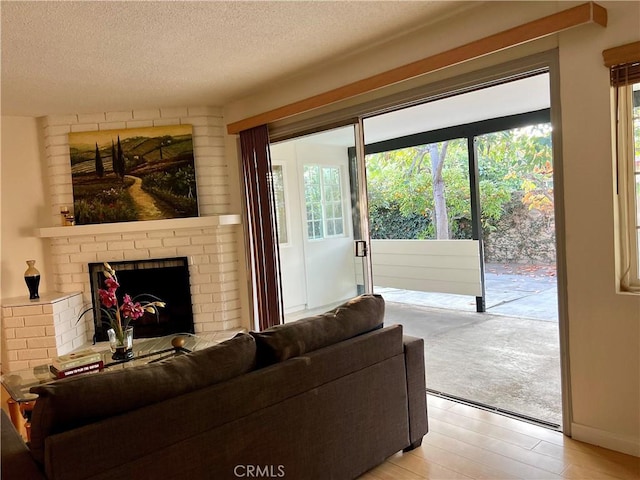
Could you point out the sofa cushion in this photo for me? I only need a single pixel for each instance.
(355, 317)
(80, 400)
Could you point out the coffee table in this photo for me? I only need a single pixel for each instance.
(146, 350)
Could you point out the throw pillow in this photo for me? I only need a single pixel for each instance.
(355, 317)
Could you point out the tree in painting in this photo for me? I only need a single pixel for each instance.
(99, 164)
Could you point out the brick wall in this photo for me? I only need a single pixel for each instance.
(208, 150)
(33, 334)
(212, 252)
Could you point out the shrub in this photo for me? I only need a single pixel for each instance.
(113, 205)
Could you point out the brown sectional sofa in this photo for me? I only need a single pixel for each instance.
(328, 397)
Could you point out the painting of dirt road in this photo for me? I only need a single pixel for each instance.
(133, 174)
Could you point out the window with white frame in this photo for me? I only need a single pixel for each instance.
(323, 199)
(624, 63)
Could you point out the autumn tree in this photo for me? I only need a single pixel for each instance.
(431, 182)
(521, 159)
(437, 156)
(422, 181)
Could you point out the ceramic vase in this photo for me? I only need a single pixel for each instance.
(32, 278)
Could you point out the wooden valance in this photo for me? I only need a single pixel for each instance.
(629, 53)
(624, 64)
(580, 15)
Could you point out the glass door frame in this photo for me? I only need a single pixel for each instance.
(363, 203)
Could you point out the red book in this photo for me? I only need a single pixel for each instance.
(89, 368)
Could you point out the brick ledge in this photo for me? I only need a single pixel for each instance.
(45, 299)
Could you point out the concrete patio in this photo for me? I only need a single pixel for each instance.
(507, 358)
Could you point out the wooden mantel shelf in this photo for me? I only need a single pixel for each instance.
(126, 227)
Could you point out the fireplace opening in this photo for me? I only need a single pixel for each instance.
(166, 279)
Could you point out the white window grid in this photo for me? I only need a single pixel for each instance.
(323, 198)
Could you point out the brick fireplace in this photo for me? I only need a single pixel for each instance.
(35, 332)
(159, 279)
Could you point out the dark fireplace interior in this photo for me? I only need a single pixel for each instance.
(167, 279)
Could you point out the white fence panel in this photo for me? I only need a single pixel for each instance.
(443, 266)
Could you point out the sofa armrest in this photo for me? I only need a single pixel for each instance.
(416, 389)
(17, 461)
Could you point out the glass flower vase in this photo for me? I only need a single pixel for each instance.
(121, 347)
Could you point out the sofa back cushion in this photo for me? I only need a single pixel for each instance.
(77, 401)
(355, 317)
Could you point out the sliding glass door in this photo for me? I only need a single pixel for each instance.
(428, 189)
(461, 202)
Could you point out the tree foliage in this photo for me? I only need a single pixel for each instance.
(113, 158)
(432, 181)
(99, 164)
(118, 161)
(175, 186)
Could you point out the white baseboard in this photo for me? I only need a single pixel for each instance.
(620, 443)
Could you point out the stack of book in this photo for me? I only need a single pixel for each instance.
(83, 361)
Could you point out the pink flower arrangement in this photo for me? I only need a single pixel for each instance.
(121, 315)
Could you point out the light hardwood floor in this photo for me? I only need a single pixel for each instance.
(468, 443)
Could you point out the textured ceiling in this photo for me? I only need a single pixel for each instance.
(90, 56)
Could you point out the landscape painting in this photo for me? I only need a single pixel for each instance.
(133, 174)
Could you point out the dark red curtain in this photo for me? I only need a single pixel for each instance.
(261, 232)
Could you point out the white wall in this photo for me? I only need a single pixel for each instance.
(22, 198)
(604, 327)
